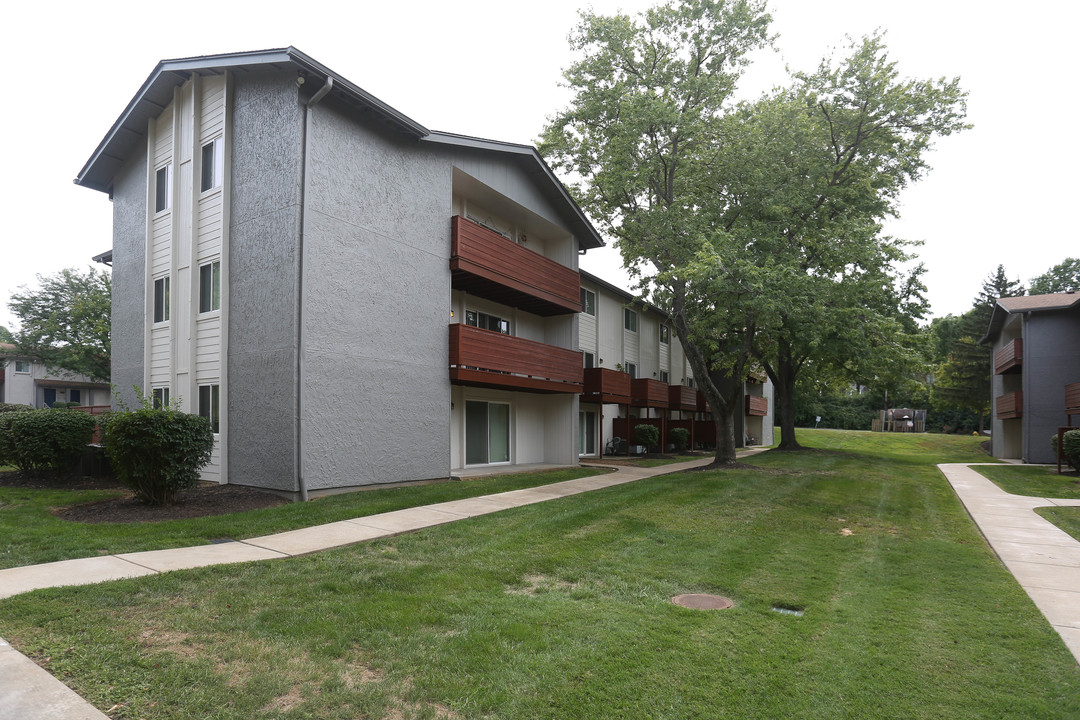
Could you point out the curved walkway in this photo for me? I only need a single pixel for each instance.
(1043, 558)
(29, 692)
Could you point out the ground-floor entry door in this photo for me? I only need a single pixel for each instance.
(487, 433)
(586, 433)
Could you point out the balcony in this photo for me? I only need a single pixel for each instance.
(1010, 406)
(757, 405)
(485, 264)
(681, 397)
(483, 358)
(1010, 357)
(648, 393)
(606, 386)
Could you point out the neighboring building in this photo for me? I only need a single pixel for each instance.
(1036, 344)
(636, 370)
(26, 381)
(350, 297)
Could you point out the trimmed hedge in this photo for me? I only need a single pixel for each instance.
(158, 453)
(39, 441)
(647, 435)
(1072, 447)
(680, 438)
(14, 407)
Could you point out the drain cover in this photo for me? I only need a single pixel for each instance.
(698, 601)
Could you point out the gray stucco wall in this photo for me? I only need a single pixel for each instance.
(1051, 361)
(262, 281)
(376, 299)
(129, 278)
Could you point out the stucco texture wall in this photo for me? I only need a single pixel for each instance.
(375, 392)
(129, 278)
(262, 281)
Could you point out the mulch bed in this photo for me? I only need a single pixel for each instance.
(202, 501)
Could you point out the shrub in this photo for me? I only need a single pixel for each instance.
(158, 453)
(647, 435)
(13, 407)
(680, 437)
(37, 441)
(1071, 452)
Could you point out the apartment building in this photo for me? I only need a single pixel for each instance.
(1036, 343)
(350, 297)
(27, 381)
(636, 373)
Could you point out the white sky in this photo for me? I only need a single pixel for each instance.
(999, 193)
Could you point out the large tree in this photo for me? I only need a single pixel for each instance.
(647, 116)
(65, 323)
(758, 227)
(1062, 277)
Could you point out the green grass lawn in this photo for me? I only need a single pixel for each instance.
(1033, 480)
(562, 610)
(30, 534)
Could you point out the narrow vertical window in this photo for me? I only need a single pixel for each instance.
(665, 334)
(161, 398)
(629, 319)
(209, 406)
(213, 164)
(161, 299)
(210, 287)
(588, 302)
(664, 377)
(632, 369)
(163, 189)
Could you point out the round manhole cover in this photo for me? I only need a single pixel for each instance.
(699, 601)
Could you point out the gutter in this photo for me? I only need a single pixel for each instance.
(312, 102)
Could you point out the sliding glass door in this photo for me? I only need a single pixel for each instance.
(487, 433)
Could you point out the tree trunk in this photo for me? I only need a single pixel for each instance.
(785, 397)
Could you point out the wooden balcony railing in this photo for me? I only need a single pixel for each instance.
(489, 359)
(606, 386)
(681, 397)
(1010, 357)
(1072, 399)
(1010, 405)
(648, 393)
(486, 264)
(757, 405)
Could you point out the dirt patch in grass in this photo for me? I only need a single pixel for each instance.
(202, 501)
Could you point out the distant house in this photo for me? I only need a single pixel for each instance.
(26, 381)
(1036, 344)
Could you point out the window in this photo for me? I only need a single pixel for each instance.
(209, 406)
(664, 377)
(586, 433)
(689, 382)
(22, 366)
(590, 360)
(213, 164)
(487, 433)
(588, 302)
(161, 299)
(487, 322)
(75, 396)
(665, 335)
(629, 319)
(210, 287)
(163, 189)
(161, 398)
(632, 369)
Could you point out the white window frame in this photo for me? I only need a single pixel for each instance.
(472, 319)
(214, 267)
(586, 296)
(166, 292)
(216, 165)
(630, 320)
(665, 334)
(166, 201)
(665, 377)
(24, 363)
(159, 398)
(210, 406)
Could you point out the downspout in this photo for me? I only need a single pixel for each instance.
(312, 102)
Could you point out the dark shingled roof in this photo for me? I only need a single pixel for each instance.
(1027, 303)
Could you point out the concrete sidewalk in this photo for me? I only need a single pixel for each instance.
(1044, 559)
(28, 692)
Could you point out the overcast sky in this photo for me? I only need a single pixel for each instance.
(999, 193)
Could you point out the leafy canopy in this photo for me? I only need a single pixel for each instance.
(1062, 277)
(66, 323)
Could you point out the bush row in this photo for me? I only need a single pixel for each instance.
(40, 441)
(1070, 447)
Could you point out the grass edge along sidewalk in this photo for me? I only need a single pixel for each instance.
(562, 609)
